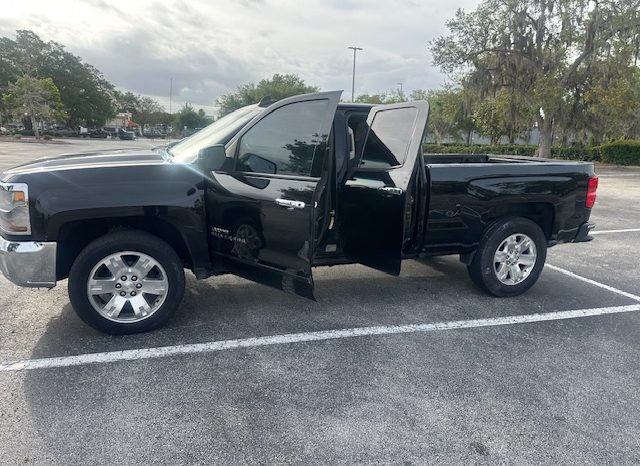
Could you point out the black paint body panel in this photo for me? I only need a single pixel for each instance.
(124, 185)
(466, 197)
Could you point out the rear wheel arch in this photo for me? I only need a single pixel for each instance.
(541, 213)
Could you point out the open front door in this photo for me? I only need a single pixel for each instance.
(376, 200)
(262, 210)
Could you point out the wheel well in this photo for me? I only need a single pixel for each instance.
(73, 237)
(541, 213)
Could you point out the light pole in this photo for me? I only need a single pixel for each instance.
(353, 78)
(170, 93)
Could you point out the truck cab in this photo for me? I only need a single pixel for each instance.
(292, 189)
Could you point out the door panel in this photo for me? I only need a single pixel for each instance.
(261, 213)
(376, 199)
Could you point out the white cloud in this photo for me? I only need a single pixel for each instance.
(210, 47)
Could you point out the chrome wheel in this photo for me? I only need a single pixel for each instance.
(514, 259)
(127, 286)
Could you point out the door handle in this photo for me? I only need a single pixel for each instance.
(290, 205)
(390, 191)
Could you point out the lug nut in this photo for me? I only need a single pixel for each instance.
(139, 285)
(122, 293)
(134, 278)
(123, 278)
(133, 293)
(118, 285)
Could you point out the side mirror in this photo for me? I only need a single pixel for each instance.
(212, 158)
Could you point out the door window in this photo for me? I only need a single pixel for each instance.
(287, 141)
(389, 138)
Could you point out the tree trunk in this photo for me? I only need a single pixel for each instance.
(36, 130)
(545, 125)
(469, 137)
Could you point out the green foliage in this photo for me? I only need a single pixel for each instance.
(446, 112)
(375, 99)
(125, 101)
(615, 104)
(619, 152)
(144, 110)
(84, 92)
(390, 97)
(548, 56)
(189, 118)
(559, 152)
(278, 87)
(496, 149)
(36, 99)
(503, 115)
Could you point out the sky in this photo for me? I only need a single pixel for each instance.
(211, 47)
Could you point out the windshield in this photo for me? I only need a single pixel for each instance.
(219, 132)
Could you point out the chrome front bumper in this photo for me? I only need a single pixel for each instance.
(28, 263)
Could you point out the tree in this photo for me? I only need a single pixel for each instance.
(84, 92)
(536, 48)
(389, 97)
(503, 115)
(447, 112)
(189, 118)
(278, 87)
(35, 99)
(125, 101)
(147, 111)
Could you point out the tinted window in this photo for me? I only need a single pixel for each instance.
(389, 138)
(358, 125)
(287, 141)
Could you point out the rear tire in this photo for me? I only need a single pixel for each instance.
(126, 282)
(510, 257)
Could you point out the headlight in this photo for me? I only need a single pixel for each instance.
(14, 209)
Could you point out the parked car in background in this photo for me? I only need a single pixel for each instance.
(3, 130)
(63, 132)
(126, 135)
(98, 133)
(111, 131)
(154, 133)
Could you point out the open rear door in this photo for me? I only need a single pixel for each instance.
(376, 199)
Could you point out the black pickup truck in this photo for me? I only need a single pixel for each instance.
(271, 191)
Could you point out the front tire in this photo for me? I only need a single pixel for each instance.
(510, 257)
(126, 282)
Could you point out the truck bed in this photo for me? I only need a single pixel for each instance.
(467, 191)
(439, 159)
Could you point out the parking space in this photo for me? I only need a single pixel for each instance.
(418, 369)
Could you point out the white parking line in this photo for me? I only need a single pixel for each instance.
(593, 282)
(168, 351)
(604, 232)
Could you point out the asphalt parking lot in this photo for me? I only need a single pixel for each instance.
(419, 369)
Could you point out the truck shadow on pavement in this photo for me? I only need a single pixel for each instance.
(228, 307)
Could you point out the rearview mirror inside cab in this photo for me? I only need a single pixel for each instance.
(256, 164)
